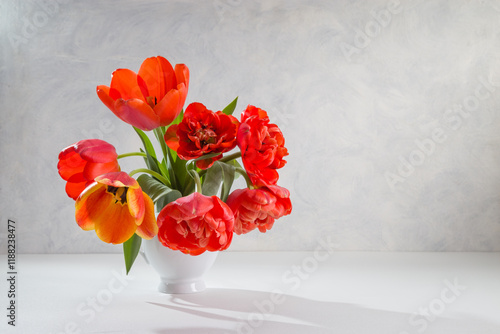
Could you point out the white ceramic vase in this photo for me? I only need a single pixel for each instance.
(179, 272)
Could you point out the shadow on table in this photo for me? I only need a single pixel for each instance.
(246, 311)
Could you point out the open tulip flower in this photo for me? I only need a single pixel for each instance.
(258, 208)
(116, 207)
(262, 146)
(202, 132)
(151, 98)
(195, 224)
(81, 162)
(189, 183)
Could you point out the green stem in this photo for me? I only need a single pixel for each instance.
(243, 173)
(226, 159)
(196, 179)
(159, 133)
(231, 157)
(153, 173)
(131, 154)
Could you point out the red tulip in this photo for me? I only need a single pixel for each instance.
(262, 147)
(195, 224)
(258, 208)
(202, 132)
(82, 162)
(116, 207)
(151, 98)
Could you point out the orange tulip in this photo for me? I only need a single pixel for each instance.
(151, 98)
(116, 207)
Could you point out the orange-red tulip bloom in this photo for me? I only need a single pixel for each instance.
(202, 132)
(151, 98)
(116, 207)
(83, 161)
(258, 208)
(262, 146)
(196, 223)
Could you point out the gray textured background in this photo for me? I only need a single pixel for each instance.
(389, 110)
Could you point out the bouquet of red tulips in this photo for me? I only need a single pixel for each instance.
(190, 181)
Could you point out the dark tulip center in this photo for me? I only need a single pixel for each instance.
(152, 101)
(119, 193)
(206, 136)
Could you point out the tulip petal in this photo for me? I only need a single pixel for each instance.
(182, 75)
(118, 179)
(149, 228)
(207, 163)
(93, 170)
(159, 76)
(194, 109)
(114, 224)
(169, 107)
(84, 208)
(194, 205)
(103, 94)
(124, 84)
(171, 138)
(75, 189)
(136, 205)
(96, 150)
(137, 113)
(70, 163)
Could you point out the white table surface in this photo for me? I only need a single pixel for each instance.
(262, 292)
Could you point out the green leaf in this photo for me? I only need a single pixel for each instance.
(192, 164)
(163, 167)
(159, 193)
(146, 158)
(160, 204)
(153, 164)
(178, 119)
(178, 167)
(219, 175)
(189, 184)
(229, 109)
(212, 181)
(146, 142)
(131, 248)
(206, 156)
(173, 170)
(163, 130)
(151, 161)
(227, 180)
(236, 164)
(169, 171)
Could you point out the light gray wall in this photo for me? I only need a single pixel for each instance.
(390, 111)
